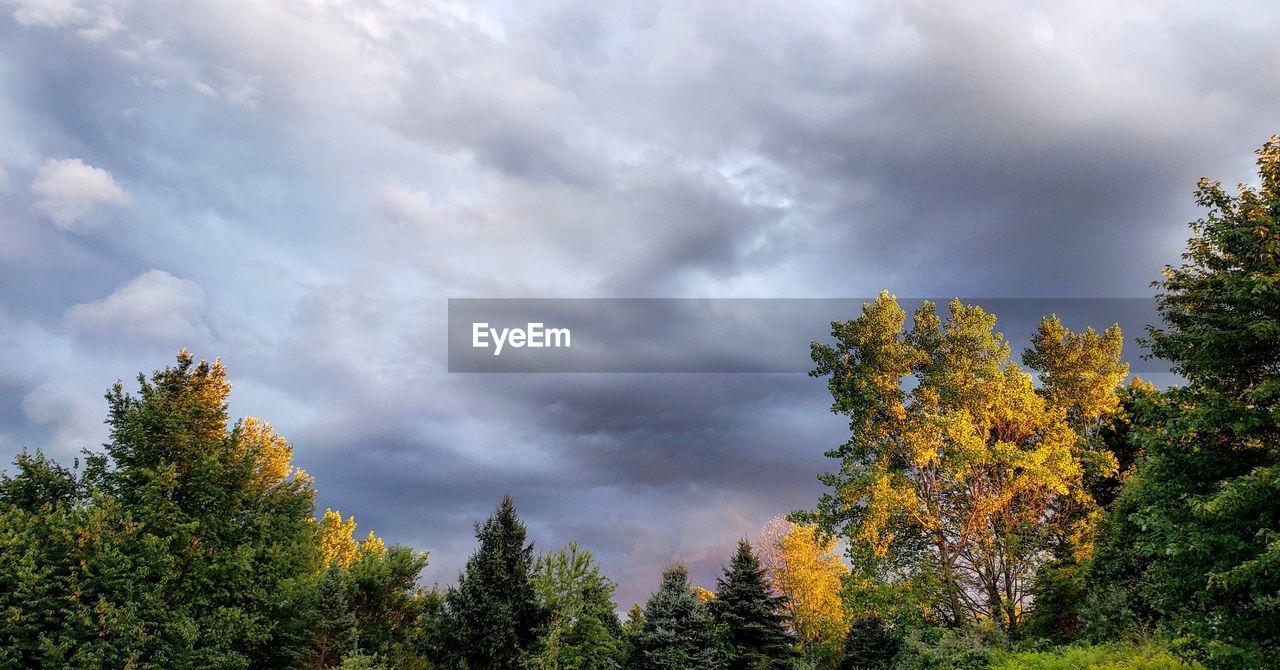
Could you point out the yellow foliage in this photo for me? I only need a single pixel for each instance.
(373, 545)
(338, 544)
(704, 595)
(805, 568)
(971, 460)
(272, 455)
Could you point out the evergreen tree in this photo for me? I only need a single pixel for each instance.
(632, 628)
(1198, 521)
(752, 617)
(870, 645)
(678, 632)
(332, 629)
(495, 617)
(185, 545)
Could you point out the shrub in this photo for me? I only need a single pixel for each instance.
(1096, 657)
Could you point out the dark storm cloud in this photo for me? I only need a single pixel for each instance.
(638, 451)
(307, 185)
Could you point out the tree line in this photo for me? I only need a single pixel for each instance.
(985, 512)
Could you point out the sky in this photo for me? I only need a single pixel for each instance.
(299, 188)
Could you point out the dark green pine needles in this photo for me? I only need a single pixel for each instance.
(494, 611)
(751, 617)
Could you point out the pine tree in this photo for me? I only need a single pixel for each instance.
(752, 617)
(678, 631)
(494, 611)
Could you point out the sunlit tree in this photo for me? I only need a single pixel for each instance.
(805, 569)
(957, 470)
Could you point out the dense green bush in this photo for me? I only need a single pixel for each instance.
(1095, 657)
(969, 648)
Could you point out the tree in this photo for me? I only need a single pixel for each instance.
(802, 566)
(332, 633)
(678, 632)
(632, 628)
(185, 544)
(1082, 374)
(494, 611)
(583, 631)
(752, 617)
(385, 599)
(338, 545)
(959, 479)
(870, 645)
(1198, 520)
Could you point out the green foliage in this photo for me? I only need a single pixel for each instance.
(1059, 589)
(386, 602)
(752, 618)
(870, 645)
(963, 648)
(1099, 657)
(678, 632)
(362, 661)
(494, 614)
(40, 481)
(1197, 528)
(583, 632)
(332, 631)
(170, 551)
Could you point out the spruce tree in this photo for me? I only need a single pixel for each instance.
(494, 611)
(752, 617)
(678, 632)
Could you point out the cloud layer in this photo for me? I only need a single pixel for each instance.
(300, 187)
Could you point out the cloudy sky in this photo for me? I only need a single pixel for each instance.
(298, 187)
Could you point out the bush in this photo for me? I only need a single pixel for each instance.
(970, 648)
(1095, 657)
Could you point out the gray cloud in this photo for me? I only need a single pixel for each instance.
(308, 184)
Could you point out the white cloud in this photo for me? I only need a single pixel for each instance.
(4, 181)
(232, 87)
(48, 13)
(403, 204)
(69, 190)
(103, 28)
(75, 418)
(155, 305)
